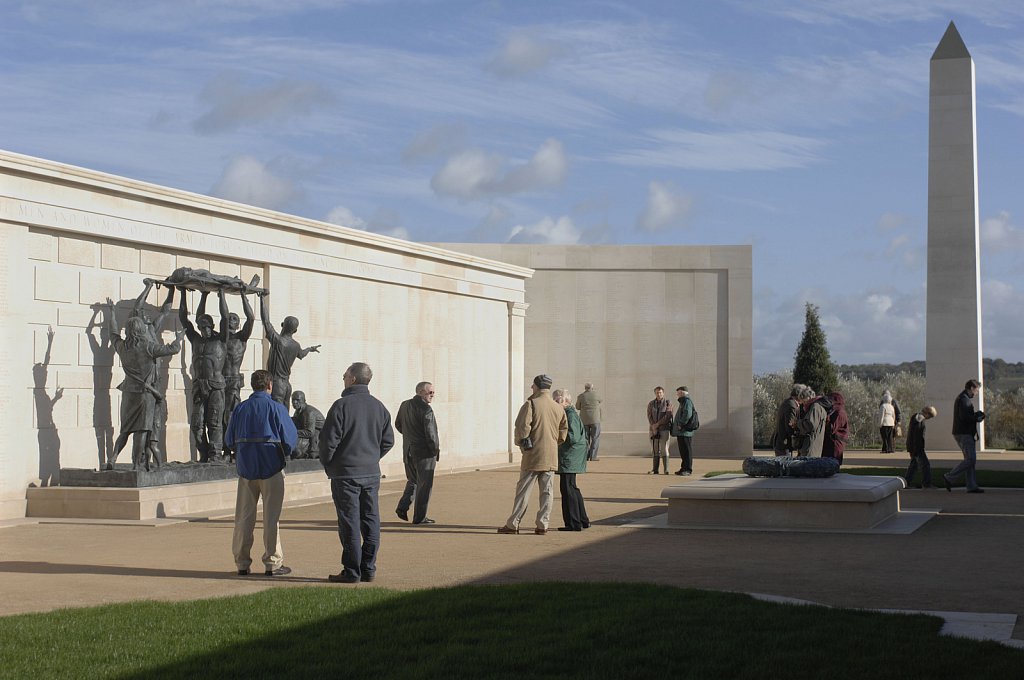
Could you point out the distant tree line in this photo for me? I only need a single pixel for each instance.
(1004, 426)
(997, 375)
(862, 386)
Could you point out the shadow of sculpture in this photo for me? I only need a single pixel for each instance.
(102, 375)
(185, 371)
(46, 428)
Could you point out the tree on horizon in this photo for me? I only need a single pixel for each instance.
(812, 364)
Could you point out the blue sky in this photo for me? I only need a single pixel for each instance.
(798, 127)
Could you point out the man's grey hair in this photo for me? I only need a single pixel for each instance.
(561, 395)
(802, 392)
(362, 373)
(421, 385)
(588, 386)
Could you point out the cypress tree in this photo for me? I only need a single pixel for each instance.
(813, 366)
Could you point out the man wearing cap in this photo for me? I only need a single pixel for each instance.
(540, 427)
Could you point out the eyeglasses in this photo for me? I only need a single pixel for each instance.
(431, 393)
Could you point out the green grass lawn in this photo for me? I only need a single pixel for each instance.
(543, 630)
(1005, 479)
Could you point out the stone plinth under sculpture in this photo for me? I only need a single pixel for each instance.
(175, 490)
(842, 502)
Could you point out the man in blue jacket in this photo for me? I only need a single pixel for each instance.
(357, 434)
(262, 436)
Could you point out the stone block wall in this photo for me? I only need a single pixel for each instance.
(629, 318)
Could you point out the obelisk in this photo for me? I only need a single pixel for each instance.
(953, 340)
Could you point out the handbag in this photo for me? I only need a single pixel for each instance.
(526, 443)
(899, 430)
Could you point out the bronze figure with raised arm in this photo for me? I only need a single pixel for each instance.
(284, 350)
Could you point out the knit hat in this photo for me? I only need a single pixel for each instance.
(543, 381)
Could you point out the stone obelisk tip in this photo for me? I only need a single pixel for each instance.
(951, 46)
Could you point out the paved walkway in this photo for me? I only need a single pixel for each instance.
(967, 559)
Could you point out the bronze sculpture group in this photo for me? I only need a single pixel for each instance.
(218, 351)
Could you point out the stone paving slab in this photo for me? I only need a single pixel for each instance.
(966, 559)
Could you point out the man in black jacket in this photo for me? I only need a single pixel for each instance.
(965, 430)
(421, 449)
(357, 434)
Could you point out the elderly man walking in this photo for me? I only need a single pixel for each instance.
(262, 436)
(540, 427)
(421, 449)
(589, 406)
(357, 434)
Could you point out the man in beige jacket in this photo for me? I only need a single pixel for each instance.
(540, 427)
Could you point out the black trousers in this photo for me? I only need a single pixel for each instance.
(888, 432)
(686, 453)
(574, 512)
(921, 460)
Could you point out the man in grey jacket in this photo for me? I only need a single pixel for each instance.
(589, 406)
(357, 434)
(421, 449)
(812, 422)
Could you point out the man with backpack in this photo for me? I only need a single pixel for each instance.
(684, 425)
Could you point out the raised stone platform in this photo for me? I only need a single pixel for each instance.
(842, 502)
(146, 502)
(123, 476)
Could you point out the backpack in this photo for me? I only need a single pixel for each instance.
(837, 428)
(693, 423)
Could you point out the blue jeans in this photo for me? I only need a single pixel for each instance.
(355, 501)
(968, 447)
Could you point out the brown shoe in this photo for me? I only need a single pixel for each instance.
(540, 532)
(507, 530)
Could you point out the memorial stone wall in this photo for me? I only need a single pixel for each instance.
(628, 318)
(71, 237)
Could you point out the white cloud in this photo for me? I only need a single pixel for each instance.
(896, 244)
(1002, 322)
(666, 207)
(384, 222)
(1000, 233)
(561, 231)
(890, 221)
(474, 173)
(344, 217)
(247, 180)
(522, 54)
(233, 104)
(877, 325)
(727, 151)
(441, 139)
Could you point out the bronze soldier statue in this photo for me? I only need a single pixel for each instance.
(140, 355)
(236, 345)
(209, 351)
(284, 350)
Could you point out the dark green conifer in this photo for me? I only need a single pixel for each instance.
(813, 366)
